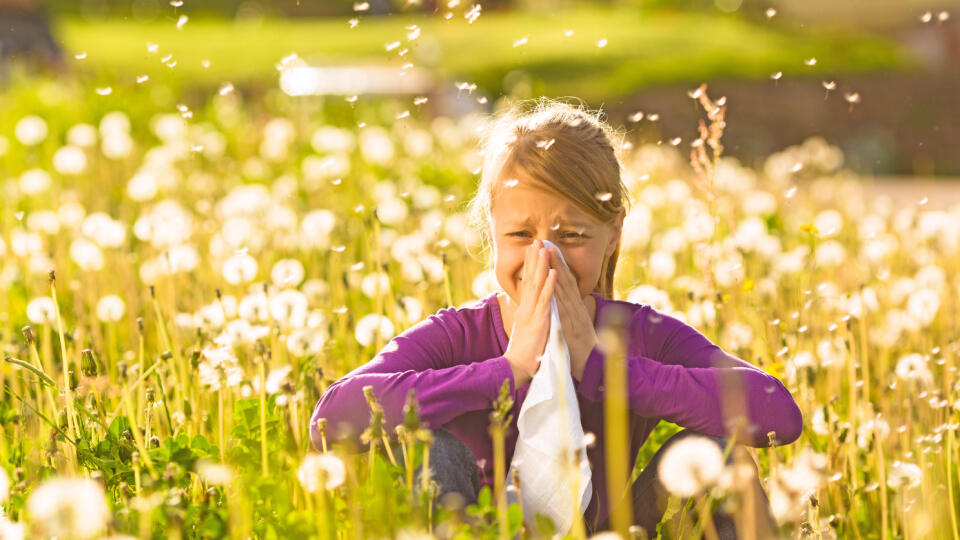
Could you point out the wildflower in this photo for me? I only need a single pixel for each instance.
(662, 265)
(372, 281)
(315, 229)
(922, 305)
(35, 181)
(321, 471)
(31, 130)
(69, 160)
(86, 254)
(288, 308)
(219, 368)
(392, 211)
(690, 465)
(370, 324)
(82, 135)
(830, 253)
(110, 308)
(376, 145)
(913, 367)
(306, 341)
(41, 310)
(68, 508)
(905, 475)
(214, 473)
(239, 269)
(104, 230)
(287, 272)
(829, 222)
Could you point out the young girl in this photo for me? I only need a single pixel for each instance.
(551, 173)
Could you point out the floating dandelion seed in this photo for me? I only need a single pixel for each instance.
(546, 144)
(512, 182)
(81, 56)
(676, 141)
(340, 310)
(404, 51)
(636, 117)
(828, 86)
(810, 61)
(176, 3)
(182, 21)
(466, 86)
(318, 471)
(151, 48)
(351, 99)
(923, 201)
(19, 216)
(414, 32)
(926, 17)
(448, 15)
(225, 89)
(361, 6)
(205, 64)
(568, 33)
(696, 93)
(791, 192)
(406, 66)
(777, 76)
(852, 98)
(943, 16)
(392, 46)
(449, 198)
(796, 167)
(521, 41)
(453, 3)
(472, 14)
(602, 43)
(771, 13)
(105, 91)
(404, 114)
(419, 100)
(172, 64)
(339, 249)
(653, 117)
(142, 79)
(166, 58)
(353, 22)
(604, 197)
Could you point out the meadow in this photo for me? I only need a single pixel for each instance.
(181, 284)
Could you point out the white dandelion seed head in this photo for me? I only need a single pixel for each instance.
(829, 222)
(392, 211)
(913, 367)
(904, 475)
(690, 465)
(104, 230)
(830, 253)
(31, 130)
(86, 254)
(317, 471)
(69, 160)
(41, 310)
(662, 265)
(288, 308)
(110, 308)
(239, 269)
(923, 304)
(369, 325)
(43, 221)
(82, 135)
(213, 473)
(287, 273)
(68, 508)
(35, 181)
(374, 281)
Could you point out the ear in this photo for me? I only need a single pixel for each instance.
(617, 230)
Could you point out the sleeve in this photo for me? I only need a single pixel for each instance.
(424, 357)
(684, 378)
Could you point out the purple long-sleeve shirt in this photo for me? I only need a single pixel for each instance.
(454, 359)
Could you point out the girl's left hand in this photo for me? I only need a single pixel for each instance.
(574, 316)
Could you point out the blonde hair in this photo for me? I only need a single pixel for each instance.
(566, 150)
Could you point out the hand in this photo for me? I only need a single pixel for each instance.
(574, 317)
(531, 321)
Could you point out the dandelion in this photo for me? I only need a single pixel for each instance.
(923, 304)
(473, 14)
(321, 471)
(287, 272)
(225, 88)
(68, 508)
(289, 308)
(41, 310)
(216, 474)
(110, 308)
(904, 475)
(690, 465)
(392, 211)
(372, 281)
(239, 269)
(31, 130)
(913, 367)
(943, 16)
(219, 368)
(69, 160)
(35, 181)
(86, 254)
(369, 325)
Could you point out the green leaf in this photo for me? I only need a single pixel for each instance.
(484, 497)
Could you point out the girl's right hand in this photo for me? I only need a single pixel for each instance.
(531, 321)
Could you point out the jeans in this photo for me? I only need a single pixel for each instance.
(454, 468)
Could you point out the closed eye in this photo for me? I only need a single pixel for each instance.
(570, 235)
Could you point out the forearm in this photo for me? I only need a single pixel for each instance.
(442, 394)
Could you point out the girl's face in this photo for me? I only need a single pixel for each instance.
(522, 213)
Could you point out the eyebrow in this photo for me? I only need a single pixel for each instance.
(570, 222)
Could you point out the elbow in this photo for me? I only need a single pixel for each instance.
(332, 422)
(793, 423)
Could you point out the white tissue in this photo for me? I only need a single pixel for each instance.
(549, 426)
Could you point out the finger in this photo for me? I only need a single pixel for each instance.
(541, 268)
(527, 272)
(543, 303)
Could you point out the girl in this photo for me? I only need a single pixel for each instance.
(552, 173)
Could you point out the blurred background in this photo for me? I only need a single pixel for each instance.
(877, 78)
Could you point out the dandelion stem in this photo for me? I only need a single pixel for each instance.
(65, 363)
(264, 464)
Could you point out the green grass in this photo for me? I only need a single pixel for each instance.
(642, 49)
